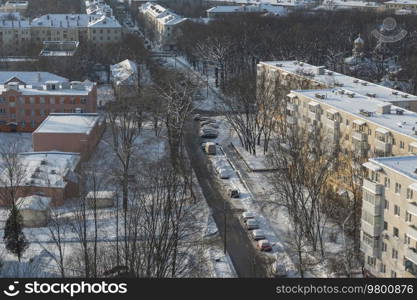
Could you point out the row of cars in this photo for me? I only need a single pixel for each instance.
(208, 127)
(249, 220)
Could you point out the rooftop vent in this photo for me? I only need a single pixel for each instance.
(278, 65)
(364, 83)
(43, 162)
(350, 95)
(320, 96)
(355, 80)
(365, 113)
(399, 111)
(394, 92)
(404, 95)
(53, 172)
(372, 95)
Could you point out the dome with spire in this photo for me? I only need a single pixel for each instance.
(359, 41)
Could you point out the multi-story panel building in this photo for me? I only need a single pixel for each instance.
(294, 75)
(23, 108)
(14, 33)
(366, 126)
(389, 217)
(165, 24)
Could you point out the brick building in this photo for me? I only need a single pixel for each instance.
(77, 133)
(23, 107)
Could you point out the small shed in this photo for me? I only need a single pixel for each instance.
(34, 210)
(102, 199)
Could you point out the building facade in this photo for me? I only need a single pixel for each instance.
(23, 108)
(164, 24)
(389, 217)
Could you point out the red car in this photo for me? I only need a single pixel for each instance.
(264, 245)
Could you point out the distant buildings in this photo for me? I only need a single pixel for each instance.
(59, 48)
(164, 24)
(78, 133)
(24, 107)
(14, 6)
(352, 4)
(224, 11)
(16, 31)
(29, 77)
(404, 6)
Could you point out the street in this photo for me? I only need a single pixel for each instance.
(247, 261)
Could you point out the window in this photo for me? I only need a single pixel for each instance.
(83, 101)
(409, 193)
(371, 261)
(408, 217)
(382, 268)
(384, 247)
(42, 100)
(401, 144)
(397, 210)
(397, 188)
(32, 100)
(396, 232)
(387, 182)
(406, 239)
(394, 254)
(386, 204)
(393, 274)
(347, 122)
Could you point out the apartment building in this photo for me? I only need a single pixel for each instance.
(125, 78)
(50, 174)
(14, 33)
(98, 29)
(294, 75)
(14, 6)
(366, 126)
(389, 217)
(410, 5)
(24, 107)
(258, 8)
(164, 23)
(77, 133)
(98, 7)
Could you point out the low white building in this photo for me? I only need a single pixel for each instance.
(101, 199)
(34, 210)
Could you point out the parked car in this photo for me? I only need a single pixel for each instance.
(252, 224)
(234, 193)
(207, 122)
(208, 133)
(258, 234)
(264, 245)
(248, 215)
(224, 173)
(211, 148)
(198, 117)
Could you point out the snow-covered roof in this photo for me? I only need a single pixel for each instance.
(34, 202)
(14, 23)
(340, 4)
(339, 99)
(161, 14)
(75, 21)
(101, 194)
(47, 169)
(405, 165)
(69, 123)
(124, 72)
(69, 89)
(330, 79)
(253, 8)
(30, 78)
(405, 2)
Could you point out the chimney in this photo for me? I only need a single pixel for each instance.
(384, 109)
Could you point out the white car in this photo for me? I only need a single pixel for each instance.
(252, 224)
(248, 215)
(258, 234)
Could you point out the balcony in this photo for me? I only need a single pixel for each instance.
(372, 230)
(371, 250)
(373, 187)
(291, 120)
(332, 124)
(373, 209)
(412, 232)
(411, 254)
(412, 208)
(292, 107)
(359, 136)
(313, 115)
(383, 146)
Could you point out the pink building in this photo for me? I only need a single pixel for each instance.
(24, 107)
(78, 133)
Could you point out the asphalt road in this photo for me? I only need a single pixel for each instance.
(248, 262)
